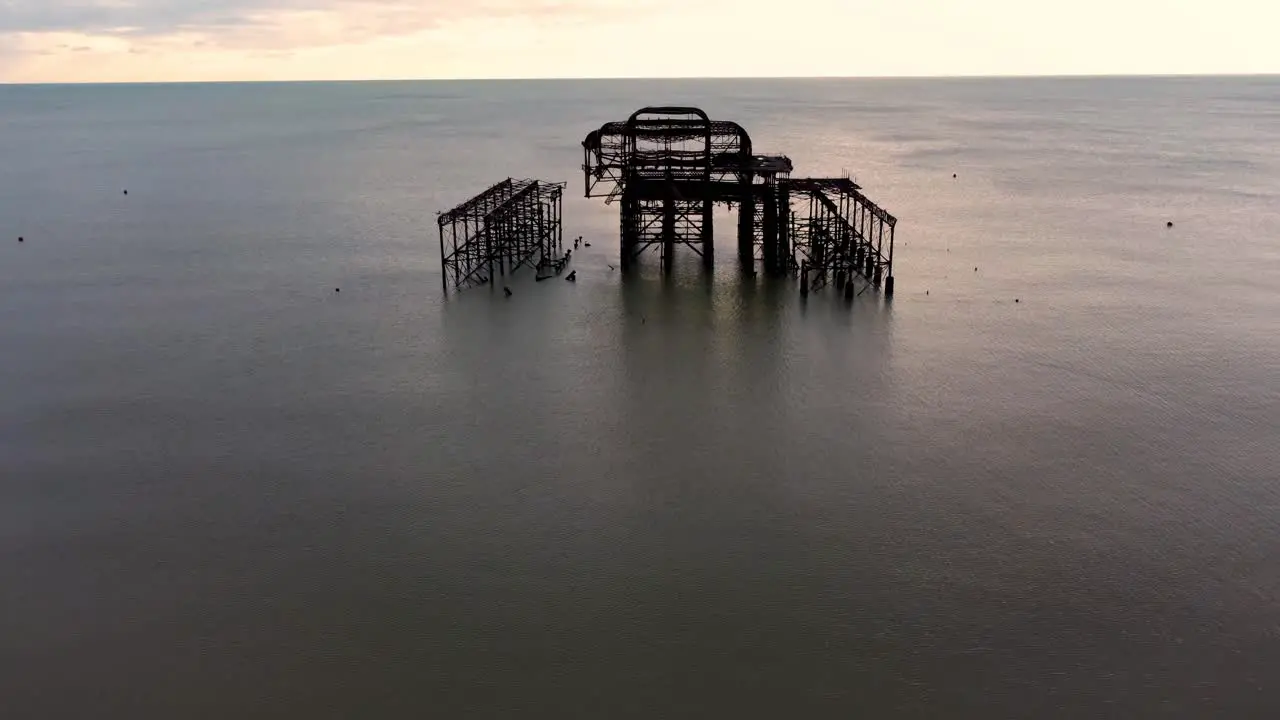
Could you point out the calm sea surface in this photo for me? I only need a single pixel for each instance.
(227, 491)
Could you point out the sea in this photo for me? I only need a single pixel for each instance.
(255, 463)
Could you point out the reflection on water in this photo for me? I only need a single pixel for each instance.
(227, 491)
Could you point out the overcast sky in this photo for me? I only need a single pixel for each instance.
(161, 40)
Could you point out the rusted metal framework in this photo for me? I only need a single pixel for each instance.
(668, 166)
(841, 234)
(511, 224)
(771, 215)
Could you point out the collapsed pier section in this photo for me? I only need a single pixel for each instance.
(840, 234)
(511, 224)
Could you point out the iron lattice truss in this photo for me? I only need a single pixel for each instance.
(512, 224)
(665, 145)
(841, 233)
(668, 167)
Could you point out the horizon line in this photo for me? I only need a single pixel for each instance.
(1045, 76)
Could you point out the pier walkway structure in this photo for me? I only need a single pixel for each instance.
(667, 167)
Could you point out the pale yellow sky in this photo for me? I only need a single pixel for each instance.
(179, 40)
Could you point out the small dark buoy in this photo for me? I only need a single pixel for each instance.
(1017, 300)
(337, 289)
(926, 292)
(507, 291)
(587, 244)
(954, 175)
(126, 192)
(1169, 224)
(22, 239)
(975, 269)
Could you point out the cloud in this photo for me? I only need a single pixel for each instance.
(114, 16)
(282, 39)
(218, 18)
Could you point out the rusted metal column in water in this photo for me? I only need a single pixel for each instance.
(668, 223)
(784, 228)
(630, 230)
(770, 200)
(708, 234)
(746, 229)
(888, 283)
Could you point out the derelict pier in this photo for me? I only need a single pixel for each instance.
(668, 166)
